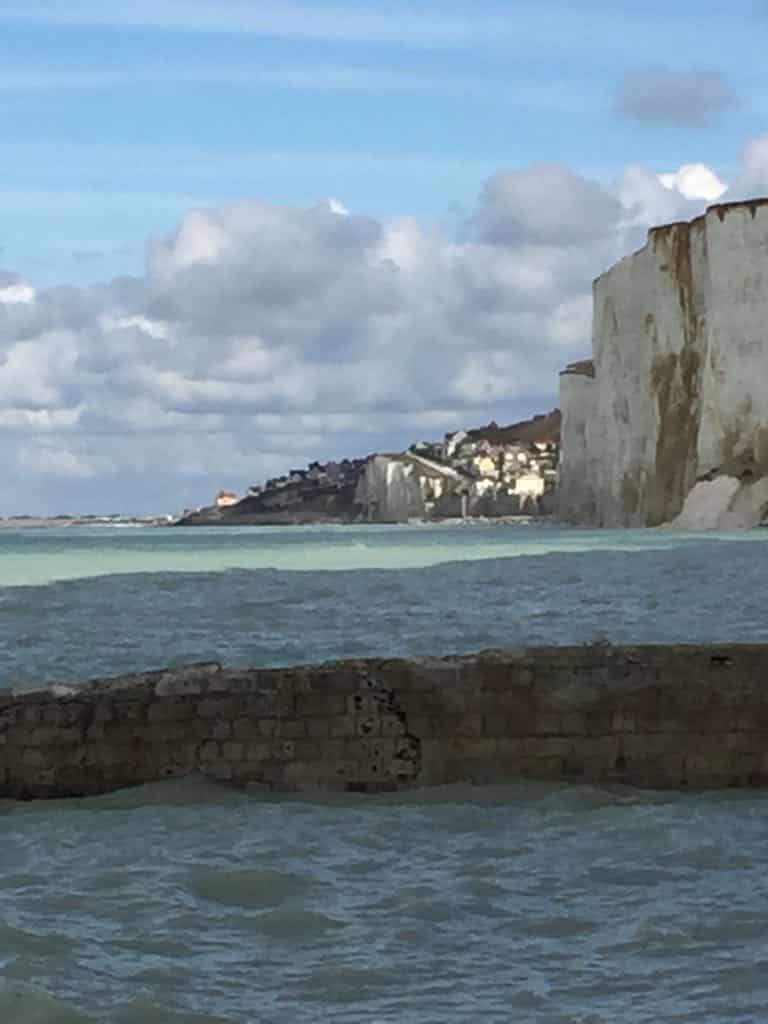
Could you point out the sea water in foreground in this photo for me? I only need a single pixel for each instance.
(183, 902)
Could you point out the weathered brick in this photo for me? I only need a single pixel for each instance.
(368, 725)
(290, 728)
(65, 715)
(573, 723)
(314, 705)
(172, 710)
(33, 757)
(129, 711)
(549, 746)
(259, 751)
(209, 751)
(318, 727)
(547, 724)
(344, 726)
(420, 725)
(218, 707)
(308, 750)
(392, 726)
(223, 730)
(623, 721)
(469, 725)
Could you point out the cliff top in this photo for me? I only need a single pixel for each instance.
(544, 428)
(581, 368)
(720, 210)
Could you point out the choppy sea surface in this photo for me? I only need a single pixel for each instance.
(184, 902)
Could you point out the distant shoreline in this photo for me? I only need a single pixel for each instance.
(52, 522)
(42, 522)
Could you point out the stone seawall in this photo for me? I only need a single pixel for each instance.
(650, 716)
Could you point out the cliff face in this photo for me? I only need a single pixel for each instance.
(391, 490)
(678, 391)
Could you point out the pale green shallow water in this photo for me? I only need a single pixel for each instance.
(32, 557)
(77, 603)
(187, 903)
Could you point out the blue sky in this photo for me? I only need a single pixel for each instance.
(117, 118)
(182, 309)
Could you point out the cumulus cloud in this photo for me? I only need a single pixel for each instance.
(690, 98)
(262, 336)
(648, 198)
(14, 289)
(754, 176)
(545, 203)
(694, 181)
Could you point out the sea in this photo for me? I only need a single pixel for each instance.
(189, 903)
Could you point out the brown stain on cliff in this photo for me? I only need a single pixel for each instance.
(723, 209)
(630, 497)
(761, 449)
(675, 385)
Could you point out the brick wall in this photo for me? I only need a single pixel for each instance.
(651, 716)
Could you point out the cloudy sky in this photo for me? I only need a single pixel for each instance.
(238, 235)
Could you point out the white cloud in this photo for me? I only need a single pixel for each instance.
(262, 336)
(695, 181)
(153, 328)
(646, 200)
(18, 291)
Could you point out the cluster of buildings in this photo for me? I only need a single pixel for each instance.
(505, 465)
(492, 471)
(318, 474)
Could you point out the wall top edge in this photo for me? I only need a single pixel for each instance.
(171, 682)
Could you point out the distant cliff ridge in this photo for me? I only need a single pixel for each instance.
(675, 398)
(489, 471)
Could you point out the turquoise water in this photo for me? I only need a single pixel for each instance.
(184, 903)
(31, 557)
(82, 602)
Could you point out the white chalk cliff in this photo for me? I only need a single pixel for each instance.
(675, 397)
